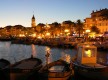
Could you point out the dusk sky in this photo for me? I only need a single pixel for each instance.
(14, 12)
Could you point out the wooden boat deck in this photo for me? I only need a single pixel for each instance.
(27, 65)
(57, 68)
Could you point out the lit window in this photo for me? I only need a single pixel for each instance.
(89, 52)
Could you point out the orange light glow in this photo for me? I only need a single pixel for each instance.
(66, 30)
(34, 35)
(87, 31)
(88, 53)
(21, 35)
(39, 37)
(48, 58)
(33, 50)
(47, 34)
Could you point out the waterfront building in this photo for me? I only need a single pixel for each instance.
(96, 19)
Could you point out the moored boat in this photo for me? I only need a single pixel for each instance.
(4, 63)
(22, 69)
(86, 64)
(57, 70)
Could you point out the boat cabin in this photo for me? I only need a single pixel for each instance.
(87, 53)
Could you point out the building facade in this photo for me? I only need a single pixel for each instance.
(97, 20)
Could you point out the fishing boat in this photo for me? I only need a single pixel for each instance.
(85, 63)
(4, 63)
(22, 69)
(57, 70)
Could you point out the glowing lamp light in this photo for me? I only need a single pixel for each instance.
(21, 35)
(61, 33)
(66, 30)
(93, 34)
(47, 34)
(68, 33)
(88, 53)
(34, 35)
(39, 37)
(87, 31)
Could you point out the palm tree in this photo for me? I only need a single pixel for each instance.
(95, 29)
(79, 27)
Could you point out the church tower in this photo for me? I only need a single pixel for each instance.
(33, 24)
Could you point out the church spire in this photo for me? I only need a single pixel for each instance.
(33, 24)
(33, 17)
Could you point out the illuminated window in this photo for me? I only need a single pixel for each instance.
(89, 52)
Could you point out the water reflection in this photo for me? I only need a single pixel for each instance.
(5, 49)
(47, 55)
(33, 50)
(17, 52)
(66, 57)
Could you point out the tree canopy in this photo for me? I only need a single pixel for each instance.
(95, 29)
(79, 27)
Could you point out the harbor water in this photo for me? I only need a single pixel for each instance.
(18, 52)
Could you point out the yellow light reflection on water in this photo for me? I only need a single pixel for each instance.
(48, 55)
(33, 50)
(66, 57)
